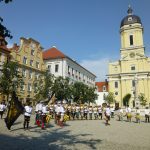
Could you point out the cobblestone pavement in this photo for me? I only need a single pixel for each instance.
(76, 135)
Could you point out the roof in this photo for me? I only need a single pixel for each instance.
(130, 19)
(53, 53)
(100, 86)
(5, 49)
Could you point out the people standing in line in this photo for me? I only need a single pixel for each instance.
(86, 112)
(95, 111)
(112, 109)
(138, 115)
(128, 113)
(90, 110)
(2, 109)
(147, 114)
(107, 115)
(120, 114)
(27, 115)
(77, 111)
(100, 112)
(82, 112)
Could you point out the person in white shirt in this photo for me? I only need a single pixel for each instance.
(120, 114)
(2, 109)
(147, 114)
(27, 114)
(107, 114)
(128, 113)
(138, 115)
(38, 111)
(112, 111)
(43, 115)
(90, 110)
(100, 112)
(62, 112)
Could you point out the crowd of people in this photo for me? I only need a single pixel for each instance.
(62, 112)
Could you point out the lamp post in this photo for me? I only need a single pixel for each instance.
(136, 100)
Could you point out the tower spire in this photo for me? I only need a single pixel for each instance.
(129, 10)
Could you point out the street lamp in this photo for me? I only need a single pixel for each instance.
(136, 100)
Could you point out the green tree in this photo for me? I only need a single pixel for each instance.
(6, 1)
(43, 86)
(11, 79)
(90, 95)
(126, 99)
(110, 98)
(62, 88)
(142, 99)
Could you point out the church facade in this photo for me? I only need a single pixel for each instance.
(130, 74)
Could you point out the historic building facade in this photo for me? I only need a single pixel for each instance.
(130, 74)
(101, 91)
(31, 65)
(59, 64)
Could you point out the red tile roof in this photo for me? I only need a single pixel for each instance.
(100, 86)
(53, 53)
(4, 48)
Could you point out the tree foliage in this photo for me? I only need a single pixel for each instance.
(142, 99)
(126, 99)
(6, 1)
(110, 98)
(7, 82)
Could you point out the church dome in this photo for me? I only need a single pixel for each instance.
(130, 19)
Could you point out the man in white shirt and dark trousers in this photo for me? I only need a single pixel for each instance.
(27, 114)
(2, 109)
(147, 114)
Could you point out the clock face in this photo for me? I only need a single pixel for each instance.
(132, 55)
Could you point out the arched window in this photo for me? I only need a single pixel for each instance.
(131, 40)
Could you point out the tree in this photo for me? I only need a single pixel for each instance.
(10, 79)
(142, 99)
(90, 95)
(62, 88)
(6, 1)
(126, 99)
(110, 98)
(43, 86)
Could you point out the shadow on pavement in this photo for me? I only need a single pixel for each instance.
(48, 140)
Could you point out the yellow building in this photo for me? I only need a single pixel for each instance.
(29, 56)
(4, 57)
(130, 74)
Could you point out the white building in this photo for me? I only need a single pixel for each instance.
(61, 65)
(102, 92)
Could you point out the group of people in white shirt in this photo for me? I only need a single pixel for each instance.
(137, 114)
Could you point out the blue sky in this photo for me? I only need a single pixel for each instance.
(85, 30)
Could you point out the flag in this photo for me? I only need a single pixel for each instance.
(14, 111)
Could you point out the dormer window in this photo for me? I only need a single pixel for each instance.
(130, 19)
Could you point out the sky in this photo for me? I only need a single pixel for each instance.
(85, 30)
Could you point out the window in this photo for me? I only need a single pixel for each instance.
(116, 84)
(31, 62)
(56, 68)
(22, 87)
(24, 60)
(37, 64)
(116, 93)
(49, 68)
(132, 67)
(30, 74)
(32, 52)
(23, 72)
(131, 40)
(133, 83)
(36, 76)
(29, 87)
(104, 88)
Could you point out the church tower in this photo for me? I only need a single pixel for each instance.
(131, 31)
(130, 74)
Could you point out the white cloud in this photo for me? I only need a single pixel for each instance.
(9, 45)
(98, 67)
